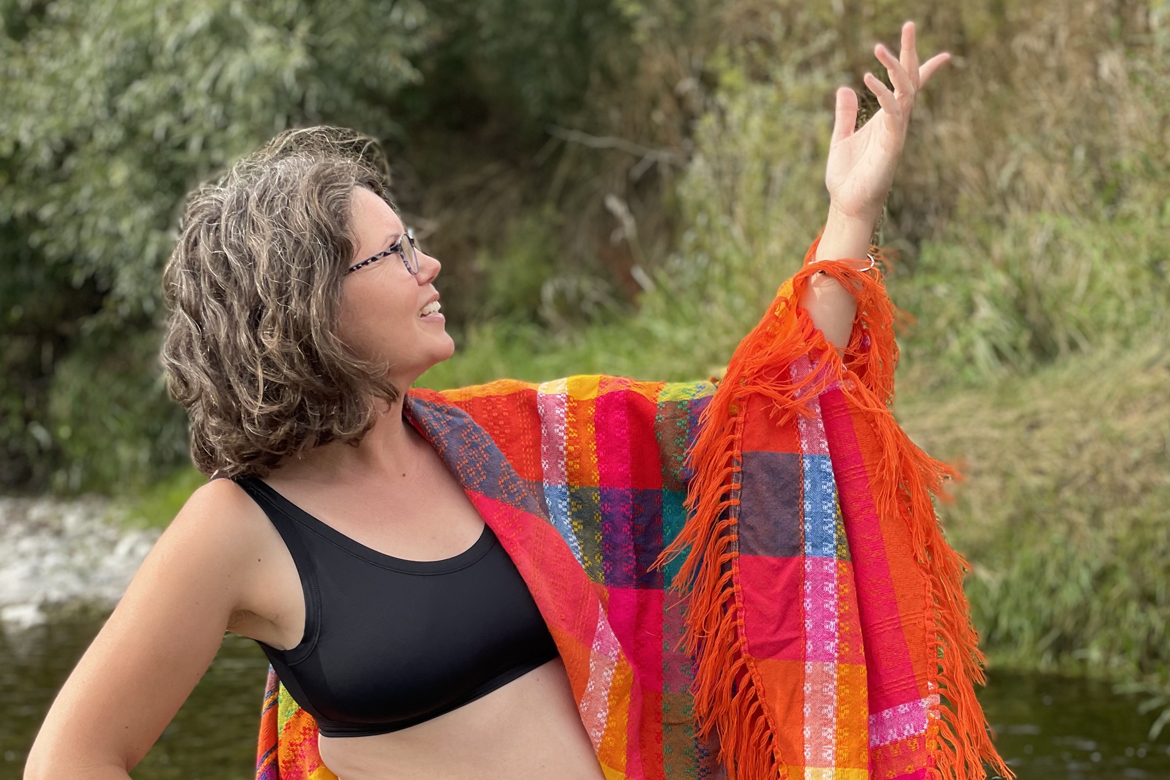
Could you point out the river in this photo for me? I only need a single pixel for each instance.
(72, 552)
(1049, 728)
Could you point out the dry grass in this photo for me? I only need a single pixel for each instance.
(1065, 509)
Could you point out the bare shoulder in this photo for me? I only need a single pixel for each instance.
(228, 531)
(220, 500)
(208, 545)
(231, 529)
(221, 516)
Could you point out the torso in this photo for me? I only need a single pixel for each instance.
(527, 728)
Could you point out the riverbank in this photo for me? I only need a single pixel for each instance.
(64, 552)
(1064, 512)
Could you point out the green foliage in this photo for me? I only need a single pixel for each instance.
(111, 111)
(1063, 510)
(139, 434)
(156, 505)
(998, 300)
(517, 275)
(533, 60)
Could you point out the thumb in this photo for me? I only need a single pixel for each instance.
(846, 118)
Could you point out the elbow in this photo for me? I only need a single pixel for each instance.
(47, 761)
(831, 307)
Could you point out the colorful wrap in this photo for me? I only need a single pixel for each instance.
(744, 580)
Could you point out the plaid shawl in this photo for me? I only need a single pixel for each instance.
(744, 580)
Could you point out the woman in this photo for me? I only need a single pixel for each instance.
(297, 267)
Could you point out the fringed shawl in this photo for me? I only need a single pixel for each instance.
(744, 579)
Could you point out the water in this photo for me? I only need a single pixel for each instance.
(1049, 728)
(212, 736)
(1055, 728)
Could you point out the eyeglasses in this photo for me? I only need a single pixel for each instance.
(408, 251)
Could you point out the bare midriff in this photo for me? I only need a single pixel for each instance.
(527, 730)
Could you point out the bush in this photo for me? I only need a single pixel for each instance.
(111, 416)
(1063, 512)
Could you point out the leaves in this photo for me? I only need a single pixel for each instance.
(115, 109)
(112, 110)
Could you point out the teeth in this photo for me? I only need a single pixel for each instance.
(430, 308)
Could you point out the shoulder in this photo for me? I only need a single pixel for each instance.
(220, 503)
(218, 496)
(220, 524)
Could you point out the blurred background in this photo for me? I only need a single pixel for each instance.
(619, 186)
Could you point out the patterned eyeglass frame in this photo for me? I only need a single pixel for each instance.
(410, 262)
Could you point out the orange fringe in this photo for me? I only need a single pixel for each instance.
(728, 691)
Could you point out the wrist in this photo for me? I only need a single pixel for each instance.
(846, 237)
(865, 217)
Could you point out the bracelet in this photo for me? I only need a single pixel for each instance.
(870, 267)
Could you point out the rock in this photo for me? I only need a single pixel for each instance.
(21, 616)
(63, 551)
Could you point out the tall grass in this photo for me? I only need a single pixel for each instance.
(1065, 510)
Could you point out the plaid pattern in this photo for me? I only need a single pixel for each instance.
(800, 605)
(828, 603)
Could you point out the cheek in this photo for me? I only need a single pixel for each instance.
(375, 325)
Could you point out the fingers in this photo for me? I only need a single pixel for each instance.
(903, 83)
(846, 118)
(932, 65)
(909, 53)
(885, 97)
(906, 74)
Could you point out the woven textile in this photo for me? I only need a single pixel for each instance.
(779, 604)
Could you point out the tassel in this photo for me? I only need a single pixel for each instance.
(728, 694)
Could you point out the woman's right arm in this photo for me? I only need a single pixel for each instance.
(156, 645)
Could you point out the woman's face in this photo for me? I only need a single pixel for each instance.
(382, 302)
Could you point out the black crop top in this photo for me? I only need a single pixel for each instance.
(390, 643)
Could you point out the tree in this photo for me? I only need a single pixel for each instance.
(111, 111)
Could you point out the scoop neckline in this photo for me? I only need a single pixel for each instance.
(461, 560)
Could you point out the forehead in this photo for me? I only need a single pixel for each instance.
(373, 222)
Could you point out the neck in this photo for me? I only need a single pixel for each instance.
(391, 447)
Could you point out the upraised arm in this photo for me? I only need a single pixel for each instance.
(858, 176)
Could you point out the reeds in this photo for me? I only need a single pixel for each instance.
(1065, 510)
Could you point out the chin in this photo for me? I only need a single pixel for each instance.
(443, 351)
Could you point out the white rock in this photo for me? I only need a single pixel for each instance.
(21, 616)
(63, 551)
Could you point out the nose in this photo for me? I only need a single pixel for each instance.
(428, 268)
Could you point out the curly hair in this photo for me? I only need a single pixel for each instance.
(253, 288)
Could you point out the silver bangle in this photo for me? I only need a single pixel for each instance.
(870, 267)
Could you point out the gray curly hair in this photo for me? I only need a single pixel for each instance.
(253, 287)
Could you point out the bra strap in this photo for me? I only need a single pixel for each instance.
(261, 493)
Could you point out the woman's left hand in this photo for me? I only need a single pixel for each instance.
(862, 163)
(859, 174)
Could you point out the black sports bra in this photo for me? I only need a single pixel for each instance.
(390, 643)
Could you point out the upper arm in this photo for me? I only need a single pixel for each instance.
(158, 642)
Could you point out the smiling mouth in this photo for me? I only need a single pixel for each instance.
(431, 308)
